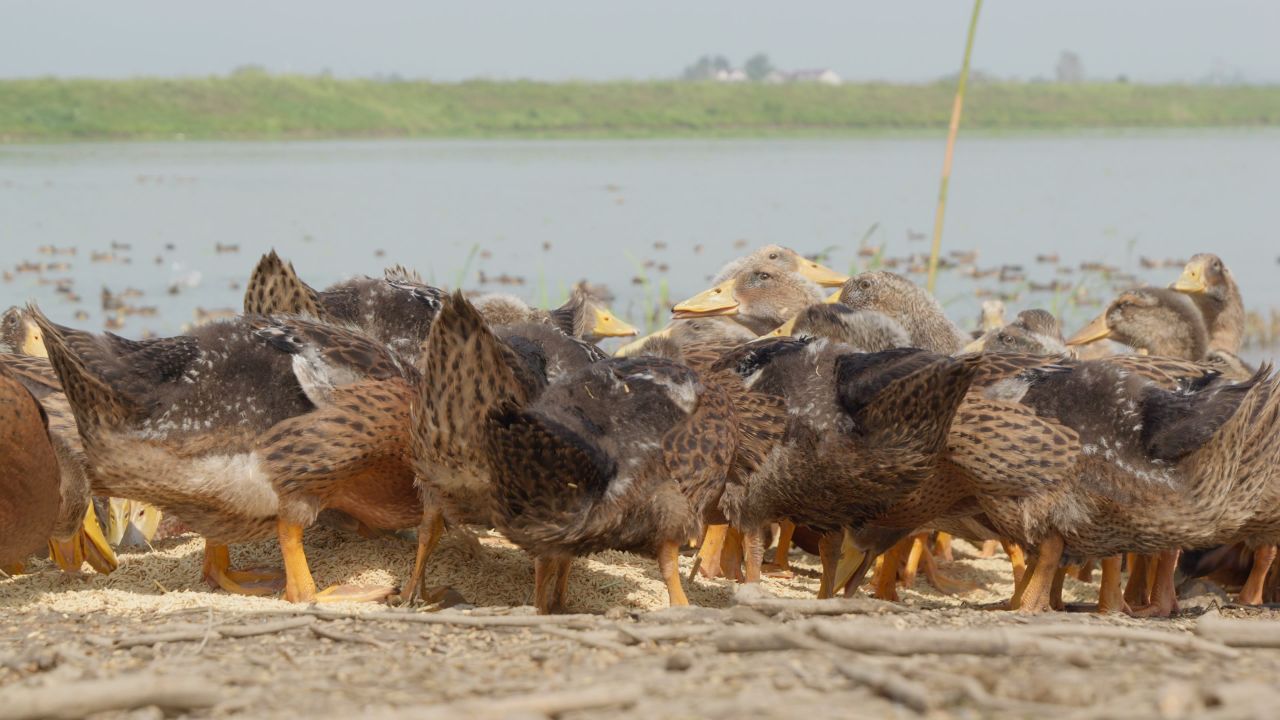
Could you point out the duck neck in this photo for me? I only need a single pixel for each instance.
(1224, 316)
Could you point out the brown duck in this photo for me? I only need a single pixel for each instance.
(469, 371)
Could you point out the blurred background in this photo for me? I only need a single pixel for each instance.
(150, 151)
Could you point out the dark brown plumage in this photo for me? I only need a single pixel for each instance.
(396, 309)
(468, 371)
(29, 483)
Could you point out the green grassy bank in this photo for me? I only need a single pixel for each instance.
(249, 106)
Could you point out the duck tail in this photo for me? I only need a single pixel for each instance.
(275, 288)
(904, 398)
(94, 402)
(547, 477)
(466, 372)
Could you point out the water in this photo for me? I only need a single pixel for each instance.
(552, 212)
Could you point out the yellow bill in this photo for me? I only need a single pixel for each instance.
(850, 558)
(607, 325)
(821, 274)
(1192, 278)
(1093, 332)
(32, 340)
(633, 346)
(719, 300)
(87, 545)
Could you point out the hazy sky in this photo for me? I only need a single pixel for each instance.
(901, 40)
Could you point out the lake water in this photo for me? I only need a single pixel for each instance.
(549, 213)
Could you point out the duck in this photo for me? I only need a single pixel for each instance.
(77, 536)
(864, 431)
(784, 260)
(774, 295)
(19, 335)
(587, 467)
(709, 329)
(581, 316)
(1155, 321)
(1034, 331)
(1213, 289)
(1159, 468)
(179, 422)
(23, 349)
(396, 309)
(31, 494)
(469, 370)
(901, 300)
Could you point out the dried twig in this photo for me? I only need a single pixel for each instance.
(550, 704)
(583, 638)
(157, 638)
(78, 699)
(920, 641)
(757, 600)
(244, 631)
(1112, 632)
(324, 632)
(443, 618)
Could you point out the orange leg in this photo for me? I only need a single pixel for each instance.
(781, 565)
(1164, 596)
(1251, 593)
(732, 557)
(829, 553)
(989, 548)
(1086, 572)
(550, 579)
(301, 588)
(429, 533)
(1035, 599)
(942, 583)
(218, 573)
(887, 578)
(1055, 591)
(1017, 559)
(753, 554)
(709, 550)
(942, 547)
(919, 543)
(1135, 591)
(669, 566)
(1110, 593)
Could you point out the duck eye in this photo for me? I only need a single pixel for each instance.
(763, 275)
(865, 284)
(1217, 266)
(1005, 338)
(773, 256)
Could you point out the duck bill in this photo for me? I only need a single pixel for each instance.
(976, 346)
(634, 346)
(94, 546)
(87, 545)
(607, 325)
(821, 274)
(32, 341)
(719, 300)
(131, 524)
(1093, 332)
(1192, 278)
(833, 298)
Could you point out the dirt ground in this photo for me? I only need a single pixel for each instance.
(151, 639)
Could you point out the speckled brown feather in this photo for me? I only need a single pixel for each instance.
(352, 455)
(274, 288)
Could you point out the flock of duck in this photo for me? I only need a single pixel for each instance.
(854, 426)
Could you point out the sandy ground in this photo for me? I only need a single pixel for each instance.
(153, 632)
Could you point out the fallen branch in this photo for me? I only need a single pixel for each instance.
(664, 633)
(1239, 633)
(888, 685)
(324, 632)
(751, 597)
(925, 641)
(1112, 632)
(78, 699)
(164, 637)
(549, 704)
(583, 638)
(444, 618)
(244, 631)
